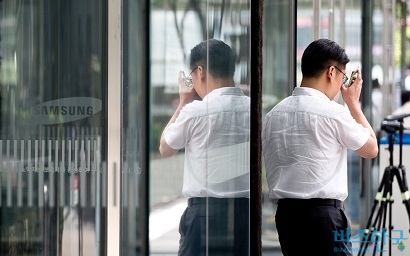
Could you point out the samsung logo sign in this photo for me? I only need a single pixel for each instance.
(65, 110)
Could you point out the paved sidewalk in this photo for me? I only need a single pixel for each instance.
(164, 222)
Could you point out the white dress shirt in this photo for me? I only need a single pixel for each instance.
(305, 139)
(215, 135)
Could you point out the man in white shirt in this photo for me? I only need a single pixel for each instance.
(305, 139)
(215, 135)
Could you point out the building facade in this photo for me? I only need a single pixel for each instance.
(86, 88)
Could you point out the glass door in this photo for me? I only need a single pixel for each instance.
(176, 28)
(52, 127)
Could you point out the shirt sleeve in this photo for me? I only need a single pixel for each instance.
(350, 133)
(177, 134)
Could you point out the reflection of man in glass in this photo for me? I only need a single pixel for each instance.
(215, 135)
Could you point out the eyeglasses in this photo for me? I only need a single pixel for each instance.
(345, 78)
(188, 79)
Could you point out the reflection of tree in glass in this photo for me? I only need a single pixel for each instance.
(236, 26)
(195, 5)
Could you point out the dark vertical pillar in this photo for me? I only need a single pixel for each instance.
(367, 43)
(256, 128)
(145, 210)
(403, 27)
(293, 49)
(367, 63)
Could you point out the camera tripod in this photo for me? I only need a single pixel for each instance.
(376, 225)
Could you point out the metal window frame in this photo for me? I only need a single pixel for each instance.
(113, 126)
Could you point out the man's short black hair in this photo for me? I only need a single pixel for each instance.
(320, 55)
(221, 59)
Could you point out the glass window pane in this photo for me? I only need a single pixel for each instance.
(134, 120)
(209, 141)
(276, 84)
(51, 127)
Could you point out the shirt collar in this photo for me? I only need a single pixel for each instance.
(225, 91)
(307, 91)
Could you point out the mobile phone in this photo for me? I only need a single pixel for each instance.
(186, 80)
(353, 76)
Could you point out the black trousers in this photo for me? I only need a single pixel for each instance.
(219, 226)
(312, 227)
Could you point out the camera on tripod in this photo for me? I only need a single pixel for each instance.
(382, 206)
(394, 123)
(390, 126)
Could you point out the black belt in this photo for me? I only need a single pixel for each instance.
(311, 202)
(214, 200)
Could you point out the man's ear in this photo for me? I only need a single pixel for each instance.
(330, 72)
(202, 72)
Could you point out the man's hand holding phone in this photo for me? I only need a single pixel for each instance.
(186, 90)
(351, 93)
(353, 77)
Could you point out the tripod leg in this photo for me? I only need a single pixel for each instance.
(379, 227)
(388, 206)
(377, 199)
(390, 201)
(404, 179)
(390, 221)
(405, 194)
(378, 231)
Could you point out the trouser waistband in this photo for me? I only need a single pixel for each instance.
(311, 201)
(214, 200)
